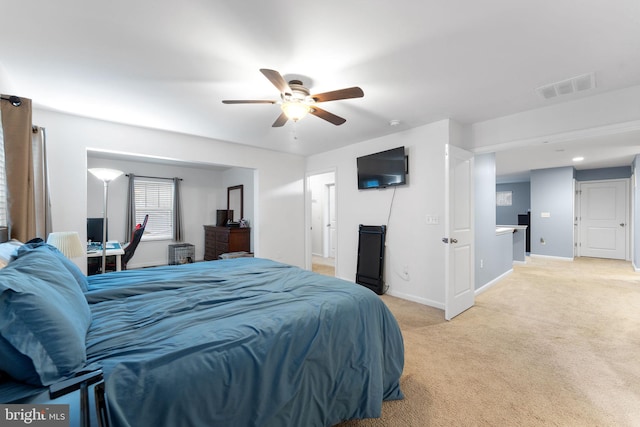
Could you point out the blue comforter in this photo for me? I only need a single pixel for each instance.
(241, 342)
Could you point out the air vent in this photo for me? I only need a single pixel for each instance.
(569, 86)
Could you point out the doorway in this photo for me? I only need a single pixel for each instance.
(603, 219)
(321, 196)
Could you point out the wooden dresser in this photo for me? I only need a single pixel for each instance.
(220, 240)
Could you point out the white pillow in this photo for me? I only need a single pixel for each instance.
(8, 251)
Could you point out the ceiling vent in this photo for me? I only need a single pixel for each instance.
(569, 86)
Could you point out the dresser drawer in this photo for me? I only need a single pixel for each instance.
(220, 240)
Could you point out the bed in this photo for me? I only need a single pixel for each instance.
(242, 342)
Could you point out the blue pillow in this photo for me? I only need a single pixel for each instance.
(78, 275)
(44, 317)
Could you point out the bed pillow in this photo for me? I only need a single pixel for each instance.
(44, 318)
(78, 275)
(8, 251)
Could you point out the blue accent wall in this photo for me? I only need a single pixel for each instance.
(552, 194)
(621, 172)
(494, 253)
(521, 202)
(635, 256)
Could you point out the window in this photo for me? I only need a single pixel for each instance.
(503, 198)
(155, 198)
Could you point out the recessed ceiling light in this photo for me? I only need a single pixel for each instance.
(578, 159)
(394, 122)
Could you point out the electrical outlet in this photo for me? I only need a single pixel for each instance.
(432, 219)
(481, 263)
(405, 272)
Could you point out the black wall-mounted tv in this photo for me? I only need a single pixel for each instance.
(383, 169)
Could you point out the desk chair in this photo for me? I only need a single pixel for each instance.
(130, 248)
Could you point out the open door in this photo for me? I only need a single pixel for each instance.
(330, 245)
(459, 252)
(321, 222)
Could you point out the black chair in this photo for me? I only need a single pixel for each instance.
(130, 248)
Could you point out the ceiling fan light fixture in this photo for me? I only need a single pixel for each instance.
(295, 110)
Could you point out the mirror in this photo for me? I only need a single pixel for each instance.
(235, 201)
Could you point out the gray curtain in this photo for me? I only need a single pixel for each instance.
(42, 202)
(27, 182)
(177, 211)
(130, 223)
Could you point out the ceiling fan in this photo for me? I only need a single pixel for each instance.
(296, 101)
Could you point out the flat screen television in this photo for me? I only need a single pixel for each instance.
(94, 230)
(383, 169)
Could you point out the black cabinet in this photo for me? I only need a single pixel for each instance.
(525, 219)
(370, 270)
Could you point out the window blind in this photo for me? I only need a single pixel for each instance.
(155, 198)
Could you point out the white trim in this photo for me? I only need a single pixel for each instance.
(559, 258)
(493, 282)
(605, 130)
(413, 298)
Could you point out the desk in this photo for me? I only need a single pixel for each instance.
(113, 249)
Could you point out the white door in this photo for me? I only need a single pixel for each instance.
(331, 196)
(459, 253)
(604, 219)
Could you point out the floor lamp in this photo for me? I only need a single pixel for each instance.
(106, 176)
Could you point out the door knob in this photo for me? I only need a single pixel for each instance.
(622, 224)
(454, 240)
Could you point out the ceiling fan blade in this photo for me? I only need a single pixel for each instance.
(278, 81)
(247, 101)
(330, 117)
(351, 92)
(280, 121)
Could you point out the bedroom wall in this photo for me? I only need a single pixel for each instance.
(412, 245)
(278, 185)
(203, 191)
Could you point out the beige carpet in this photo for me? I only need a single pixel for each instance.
(555, 343)
(325, 266)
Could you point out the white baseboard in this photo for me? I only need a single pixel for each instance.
(488, 285)
(559, 258)
(423, 301)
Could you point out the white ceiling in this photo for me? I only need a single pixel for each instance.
(168, 65)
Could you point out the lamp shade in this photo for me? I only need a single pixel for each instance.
(67, 242)
(105, 174)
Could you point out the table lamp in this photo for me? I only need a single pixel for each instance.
(67, 242)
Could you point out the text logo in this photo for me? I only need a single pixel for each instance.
(34, 415)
